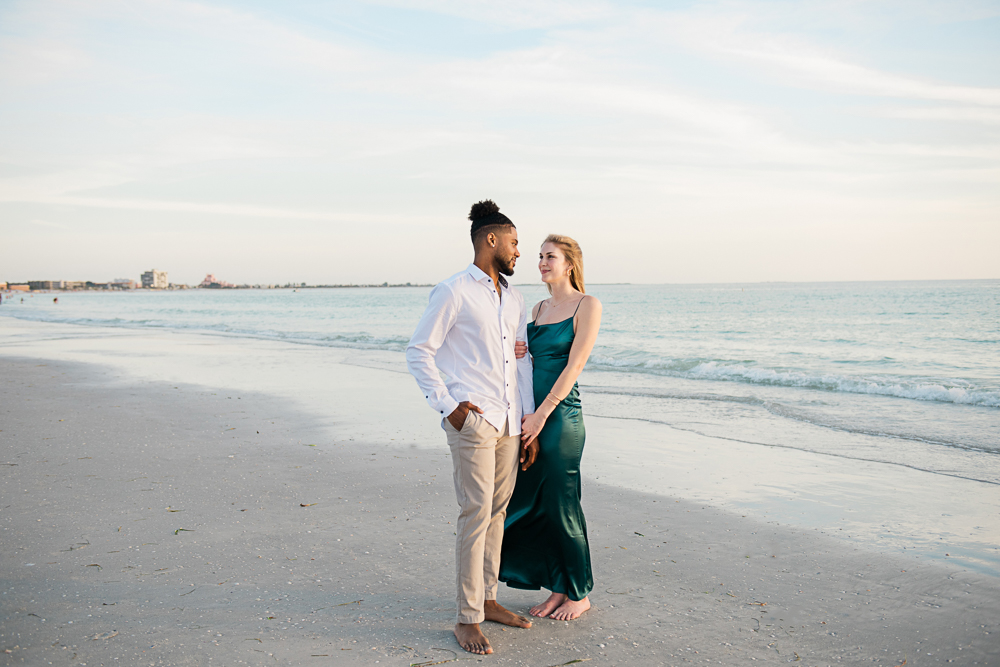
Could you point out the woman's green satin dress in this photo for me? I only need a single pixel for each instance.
(545, 536)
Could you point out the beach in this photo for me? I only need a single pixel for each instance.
(182, 498)
(752, 238)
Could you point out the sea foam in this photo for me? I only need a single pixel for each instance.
(699, 369)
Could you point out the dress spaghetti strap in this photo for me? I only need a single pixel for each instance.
(541, 307)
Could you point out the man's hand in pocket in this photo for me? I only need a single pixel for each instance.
(461, 413)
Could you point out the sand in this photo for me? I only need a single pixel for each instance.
(146, 520)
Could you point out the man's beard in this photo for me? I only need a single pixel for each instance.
(505, 265)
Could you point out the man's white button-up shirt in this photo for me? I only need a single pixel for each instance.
(468, 333)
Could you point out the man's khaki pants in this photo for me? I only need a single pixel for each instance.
(485, 463)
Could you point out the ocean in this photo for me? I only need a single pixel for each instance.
(905, 373)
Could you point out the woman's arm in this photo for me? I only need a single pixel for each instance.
(588, 323)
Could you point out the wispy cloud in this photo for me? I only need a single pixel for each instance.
(806, 62)
(229, 209)
(944, 114)
(515, 13)
(34, 62)
(818, 70)
(553, 80)
(50, 225)
(264, 39)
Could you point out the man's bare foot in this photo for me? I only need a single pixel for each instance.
(570, 609)
(472, 639)
(549, 606)
(494, 612)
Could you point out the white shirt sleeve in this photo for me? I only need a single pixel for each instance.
(525, 369)
(437, 321)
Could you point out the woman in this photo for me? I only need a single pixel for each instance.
(545, 535)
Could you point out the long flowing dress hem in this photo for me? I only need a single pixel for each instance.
(537, 587)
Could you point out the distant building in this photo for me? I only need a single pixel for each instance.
(121, 283)
(154, 279)
(35, 285)
(212, 282)
(18, 288)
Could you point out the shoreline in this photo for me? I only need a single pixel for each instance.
(294, 543)
(952, 520)
(691, 366)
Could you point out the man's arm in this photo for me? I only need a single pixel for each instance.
(525, 384)
(437, 321)
(526, 388)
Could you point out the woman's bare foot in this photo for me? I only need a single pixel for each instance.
(472, 639)
(549, 606)
(570, 609)
(494, 612)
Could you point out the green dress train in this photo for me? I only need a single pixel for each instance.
(545, 535)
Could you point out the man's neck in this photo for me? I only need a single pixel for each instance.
(488, 267)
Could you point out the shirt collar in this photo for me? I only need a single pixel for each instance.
(480, 275)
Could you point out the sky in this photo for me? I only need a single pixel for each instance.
(344, 142)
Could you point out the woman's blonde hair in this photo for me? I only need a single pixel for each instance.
(571, 249)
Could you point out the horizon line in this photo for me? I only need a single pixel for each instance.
(383, 284)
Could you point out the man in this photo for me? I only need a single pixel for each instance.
(468, 333)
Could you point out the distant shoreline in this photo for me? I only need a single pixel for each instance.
(17, 288)
(22, 287)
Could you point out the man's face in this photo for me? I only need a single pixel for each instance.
(506, 254)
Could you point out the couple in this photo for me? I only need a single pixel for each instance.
(505, 402)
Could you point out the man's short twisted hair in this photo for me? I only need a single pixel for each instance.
(487, 219)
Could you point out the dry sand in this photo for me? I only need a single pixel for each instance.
(151, 522)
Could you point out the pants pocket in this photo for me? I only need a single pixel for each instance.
(469, 423)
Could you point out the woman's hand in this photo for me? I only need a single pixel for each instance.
(531, 426)
(520, 349)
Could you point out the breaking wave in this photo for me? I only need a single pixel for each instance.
(919, 389)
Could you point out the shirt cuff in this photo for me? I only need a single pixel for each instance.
(446, 406)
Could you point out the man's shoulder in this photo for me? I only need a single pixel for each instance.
(453, 283)
(452, 288)
(456, 279)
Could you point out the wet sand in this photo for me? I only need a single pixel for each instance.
(192, 523)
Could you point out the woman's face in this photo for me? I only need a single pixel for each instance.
(552, 264)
